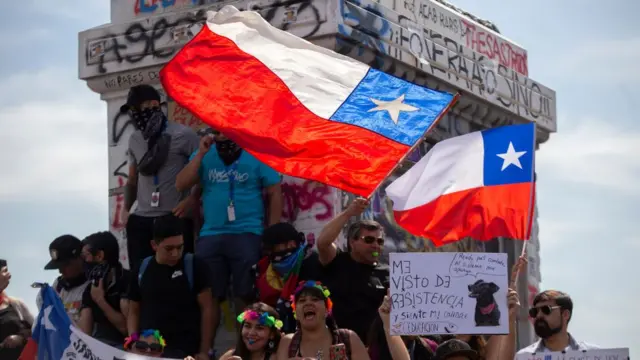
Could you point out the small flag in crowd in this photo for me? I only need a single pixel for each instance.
(51, 331)
(478, 185)
(304, 110)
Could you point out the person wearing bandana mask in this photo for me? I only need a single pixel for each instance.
(289, 260)
(158, 150)
(233, 184)
(104, 302)
(551, 313)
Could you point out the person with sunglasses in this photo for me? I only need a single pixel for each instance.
(355, 277)
(148, 343)
(551, 312)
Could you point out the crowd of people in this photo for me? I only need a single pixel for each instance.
(293, 302)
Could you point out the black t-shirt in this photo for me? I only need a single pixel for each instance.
(357, 290)
(311, 268)
(116, 287)
(169, 305)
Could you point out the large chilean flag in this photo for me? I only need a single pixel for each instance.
(479, 185)
(302, 109)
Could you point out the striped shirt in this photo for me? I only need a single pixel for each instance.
(574, 345)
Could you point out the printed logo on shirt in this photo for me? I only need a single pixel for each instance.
(176, 274)
(222, 176)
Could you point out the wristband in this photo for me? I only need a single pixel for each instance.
(130, 340)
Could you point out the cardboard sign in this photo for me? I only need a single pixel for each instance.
(600, 354)
(449, 293)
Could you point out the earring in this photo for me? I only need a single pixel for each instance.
(271, 345)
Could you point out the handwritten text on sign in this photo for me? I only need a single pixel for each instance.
(600, 354)
(441, 293)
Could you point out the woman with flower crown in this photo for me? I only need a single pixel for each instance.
(317, 335)
(259, 336)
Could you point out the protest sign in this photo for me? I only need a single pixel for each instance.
(600, 354)
(449, 293)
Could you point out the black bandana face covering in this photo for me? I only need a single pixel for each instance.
(149, 121)
(228, 151)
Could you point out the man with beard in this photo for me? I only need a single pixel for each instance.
(288, 261)
(158, 150)
(104, 303)
(233, 184)
(551, 313)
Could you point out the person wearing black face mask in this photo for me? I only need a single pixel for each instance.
(104, 302)
(289, 260)
(158, 150)
(233, 183)
(551, 313)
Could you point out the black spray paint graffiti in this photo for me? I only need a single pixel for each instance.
(150, 35)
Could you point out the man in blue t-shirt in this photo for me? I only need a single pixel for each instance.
(232, 183)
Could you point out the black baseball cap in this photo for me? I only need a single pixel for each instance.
(455, 347)
(139, 94)
(62, 250)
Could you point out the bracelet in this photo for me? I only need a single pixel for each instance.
(130, 340)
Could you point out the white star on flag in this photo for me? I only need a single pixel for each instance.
(46, 322)
(511, 157)
(393, 107)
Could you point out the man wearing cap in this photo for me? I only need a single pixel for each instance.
(158, 150)
(356, 297)
(289, 260)
(65, 252)
(551, 312)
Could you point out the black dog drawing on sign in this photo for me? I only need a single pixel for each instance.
(487, 312)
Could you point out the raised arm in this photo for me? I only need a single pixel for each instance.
(189, 175)
(327, 249)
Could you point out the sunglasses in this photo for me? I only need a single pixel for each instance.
(545, 309)
(371, 239)
(143, 346)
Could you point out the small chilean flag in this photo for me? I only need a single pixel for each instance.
(479, 185)
(304, 110)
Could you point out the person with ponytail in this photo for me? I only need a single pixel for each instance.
(259, 335)
(317, 335)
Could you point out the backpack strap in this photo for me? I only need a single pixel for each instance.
(188, 268)
(143, 267)
(344, 336)
(294, 345)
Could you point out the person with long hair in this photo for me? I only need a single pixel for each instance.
(317, 334)
(149, 343)
(15, 320)
(259, 336)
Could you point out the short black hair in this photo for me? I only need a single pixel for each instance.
(354, 229)
(167, 226)
(106, 242)
(560, 298)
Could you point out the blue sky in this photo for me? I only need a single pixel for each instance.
(54, 146)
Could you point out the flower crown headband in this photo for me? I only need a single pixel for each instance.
(263, 319)
(135, 337)
(311, 284)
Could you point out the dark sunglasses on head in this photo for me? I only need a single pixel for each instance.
(143, 346)
(545, 309)
(371, 239)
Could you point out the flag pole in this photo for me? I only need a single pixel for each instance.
(529, 228)
(454, 100)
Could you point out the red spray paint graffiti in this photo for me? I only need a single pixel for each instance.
(117, 223)
(493, 47)
(303, 197)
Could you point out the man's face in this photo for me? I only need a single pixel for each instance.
(549, 318)
(169, 251)
(285, 246)
(218, 136)
(368, 245)
(149, 104)
(71, 269)
(89, 258)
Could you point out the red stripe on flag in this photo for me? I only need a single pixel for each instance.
(30, 351)
(238, 95)
(483, 213)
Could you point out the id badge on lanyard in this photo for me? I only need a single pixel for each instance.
(231, 174)
(155, 196)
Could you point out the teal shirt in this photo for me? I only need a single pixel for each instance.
(250, 176)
